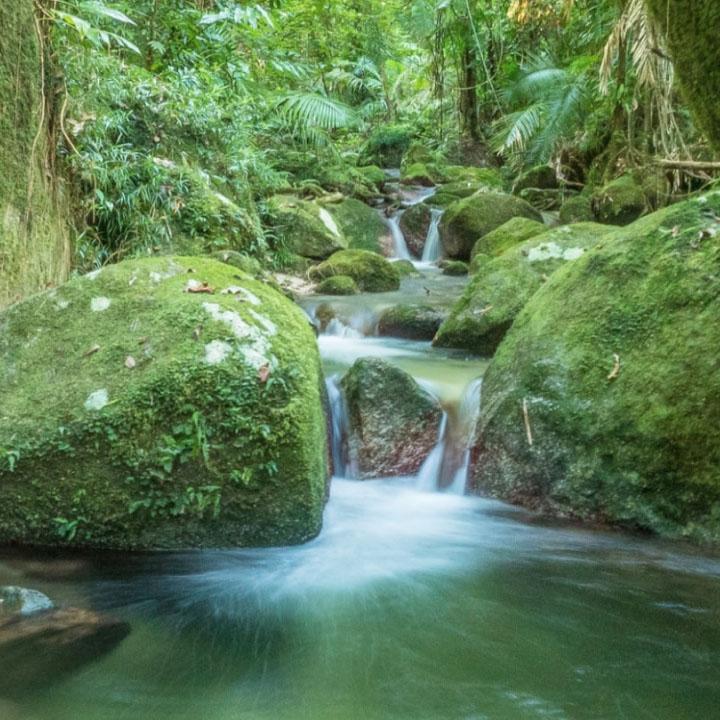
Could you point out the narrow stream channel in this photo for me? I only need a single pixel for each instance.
(416, 602)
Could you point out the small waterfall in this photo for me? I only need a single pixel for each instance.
(428, 478)
(468, 416)
(339, 427)
(400, 247)
(431, 251)
(337, 328)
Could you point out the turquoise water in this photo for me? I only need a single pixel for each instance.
(409, 606)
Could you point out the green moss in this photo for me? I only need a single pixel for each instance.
(387, 145)
(371, 272)
(479, 176)
(373, 175)
(455, 268)
(394, 423)
(406, 268)
(501, 286)
(34, 240)
(542, 177)
(691, 32)
(442, 199)
(577, 209)
(411, 322)
(616, 362)
(360, 224)
(620, 202)
(137, 415)
(338, 285)
(304, 228)
(421, 174)
(508, 235)
(247, 264)
(465, 221)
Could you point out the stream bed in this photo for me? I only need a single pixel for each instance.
(416, 602)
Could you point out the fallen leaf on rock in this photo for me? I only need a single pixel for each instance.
(130, 362)
(91, 351)
(616, 368)
(264, 374)
(195, 286)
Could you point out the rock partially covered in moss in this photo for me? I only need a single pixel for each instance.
(338, 285)
(479, 176)
(394, 423)
(359, 223)
(371, 272)
(411, 322)
(415, 224)
(468, 220)
(373, 175)
(612, 369)
(423, 174)
(160, 403)
(501, 286)
(405, 268)
(243, 262)
(507, 236)
(454, 268)
(620, 202)
(541, 177)
(305, 228)
(577, 209)
(387, 144)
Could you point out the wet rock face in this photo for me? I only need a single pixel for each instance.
(468, 220)
(603, 401)
(155, 404)
(44, 648)
(394, 423)
(415, 224)
(411, 322)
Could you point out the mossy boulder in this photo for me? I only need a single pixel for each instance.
(411, 322)
(479, 176)
(338, 285)
(501, 286)
(415, 224)
(373, 175)
(542, 177)
(507, 236)
(393, 423)
(614, 364)
(247, 264)
(386, 145)
(454, 268)
(577, 209)
(305, 228)
(405, 268)
(371, 272)
(460, 189)
(467, 220)
(423, 174)
(442, 199)
(691, 33)
(361, 225)
(620, 202)
(160, 403)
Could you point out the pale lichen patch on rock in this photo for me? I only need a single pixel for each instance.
(217, 352)
(100, 304)
(329, 222)
(97, 400)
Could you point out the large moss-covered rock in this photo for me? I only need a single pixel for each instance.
(359, 223)
(620, 202)
(411, 322)
(35, 247)
(454, 268)
(542, 177)
(508, 235)
(501, 286)
(305, 228)
(415, 224)
(338, 285)
(467, 220)
(612, 369)
(425, 174)
(371, 272)
(479, 176)
(691, 32)
(394, 423)
(577, 209)
(160, 403)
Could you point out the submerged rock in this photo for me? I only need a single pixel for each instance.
(468, 220)
(394, 423)
(371, 272)
(305, 228)
(160, 403)
(603, 402)
(411, 322)
(22, 601)
(454, 268)
(620, 202)
(40, 650)
(501, 286)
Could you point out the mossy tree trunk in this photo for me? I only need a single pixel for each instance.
(691, 29)
(34, 247)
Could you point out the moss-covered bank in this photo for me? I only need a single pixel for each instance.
(603, 402)
(161, 403)
(34, 239)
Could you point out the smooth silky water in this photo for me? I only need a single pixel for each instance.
(415, 603)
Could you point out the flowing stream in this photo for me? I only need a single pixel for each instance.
(415, 603)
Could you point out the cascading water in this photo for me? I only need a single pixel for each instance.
(400, 247)
(431, 251)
